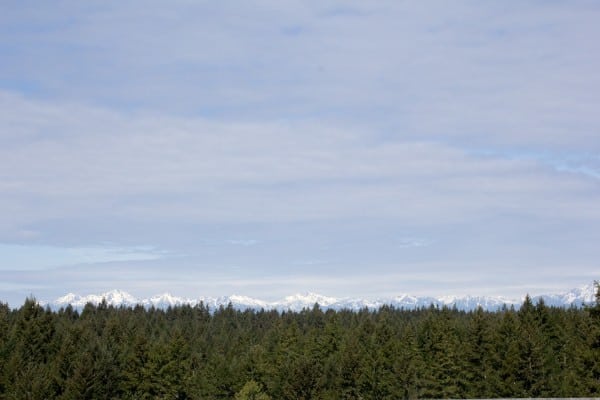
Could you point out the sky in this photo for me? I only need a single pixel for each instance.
(265, 148)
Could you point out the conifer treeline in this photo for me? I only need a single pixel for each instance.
(188, 352)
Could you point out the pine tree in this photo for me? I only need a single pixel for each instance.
(507, 347)
(440, 347)
(408, 364)
(4, 350)
(480, 358)
(532, 360)
(592, 356)
(251, 391)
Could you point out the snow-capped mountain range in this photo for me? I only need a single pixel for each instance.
(574, 297)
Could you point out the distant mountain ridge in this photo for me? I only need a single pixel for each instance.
(574, 297)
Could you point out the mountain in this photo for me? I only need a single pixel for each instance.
(114, 297)
(299, 301)
(166, 300)
(575, 297)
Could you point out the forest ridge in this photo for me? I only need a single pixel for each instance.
(191, 352)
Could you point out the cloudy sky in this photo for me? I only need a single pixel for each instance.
(266, 148)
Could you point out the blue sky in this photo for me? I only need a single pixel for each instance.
(266, 148)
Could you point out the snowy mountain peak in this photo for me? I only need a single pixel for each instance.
(167, 300)
(68, 298)
(297, 302)
(583, 295)
(237, 299)
(116, 297)
(309, 298)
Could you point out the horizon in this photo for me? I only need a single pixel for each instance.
(350, 149)
(447, 298)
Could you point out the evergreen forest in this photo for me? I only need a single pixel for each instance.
(186, 352)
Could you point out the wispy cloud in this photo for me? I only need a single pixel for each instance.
(243, 242)
(19, 256)
(413, 242)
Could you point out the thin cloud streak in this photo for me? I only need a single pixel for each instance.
(141, 167)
